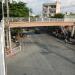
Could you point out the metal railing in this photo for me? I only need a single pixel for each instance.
(35, 19)
(32, 19)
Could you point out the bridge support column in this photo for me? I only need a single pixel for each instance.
(73, 31)
(10, 39)
(7, 40)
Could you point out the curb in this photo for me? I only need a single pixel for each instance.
(66, 44)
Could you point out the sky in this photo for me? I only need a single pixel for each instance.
(36, 5)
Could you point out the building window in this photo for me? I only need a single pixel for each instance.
(52, 11)
(45, 11)
(53, 6)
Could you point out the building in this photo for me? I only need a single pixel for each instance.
(49, 9)
(69, 17)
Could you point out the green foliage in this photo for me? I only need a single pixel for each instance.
(60, 15)
(16, 31)
(37, 16)
(18, 9)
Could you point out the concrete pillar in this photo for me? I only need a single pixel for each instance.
(10, 39)
(73, 31)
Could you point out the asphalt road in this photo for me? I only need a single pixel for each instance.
(42, 54)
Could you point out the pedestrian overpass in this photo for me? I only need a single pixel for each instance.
(35, 22)
(23, 22)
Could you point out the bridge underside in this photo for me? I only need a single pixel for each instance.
(36, 24)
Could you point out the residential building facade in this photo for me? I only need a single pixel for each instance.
(49, 9)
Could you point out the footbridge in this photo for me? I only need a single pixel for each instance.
(35, 22)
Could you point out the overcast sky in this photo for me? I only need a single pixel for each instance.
(36, 5)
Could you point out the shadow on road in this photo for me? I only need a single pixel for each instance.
(46, 50)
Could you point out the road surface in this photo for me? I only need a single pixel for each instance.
(42, 54)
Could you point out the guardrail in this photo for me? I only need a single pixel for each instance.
(32, 19)
(35, 19)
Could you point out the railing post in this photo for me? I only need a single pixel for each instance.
(36, 19)
(49, 19)
(29, 19)
(42, 19)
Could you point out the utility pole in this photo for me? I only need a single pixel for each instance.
(2, 60)
(8, 27)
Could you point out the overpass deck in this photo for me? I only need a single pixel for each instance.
(38, 24)
(34, 22)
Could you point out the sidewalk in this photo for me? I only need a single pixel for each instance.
(72, 47)
(14, 50)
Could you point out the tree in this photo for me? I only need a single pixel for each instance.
(16, 32)
(18, 9)
(60, 15)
